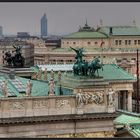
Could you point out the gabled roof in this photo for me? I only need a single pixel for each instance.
(120, 30)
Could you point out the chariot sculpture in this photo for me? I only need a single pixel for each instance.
(85, 68)
(17, 60)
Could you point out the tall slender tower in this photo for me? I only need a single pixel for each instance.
(43, 21)
(1, 31)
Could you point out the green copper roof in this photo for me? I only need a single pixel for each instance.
(135, 131)
(132, 122)
(85, 35)
(110, 72)
(126, 119)
(121, 30)
(114, 72)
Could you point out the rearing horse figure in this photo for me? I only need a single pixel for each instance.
(8, 58)
(94, 66)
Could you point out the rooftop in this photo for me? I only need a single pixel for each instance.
(110, 71)
(17, 87)
(120, 30)
(85, 35)
(129, 123)
(85, 32)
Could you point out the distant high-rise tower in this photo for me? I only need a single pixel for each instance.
(1, 31)
(44, 26)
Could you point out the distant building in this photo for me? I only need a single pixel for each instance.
(110, 42)
(44, 31)
(86, 37)
(23, 35)
(1, 31)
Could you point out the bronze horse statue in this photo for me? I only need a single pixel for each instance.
(84, 68)
(15, 61)
(94, 66)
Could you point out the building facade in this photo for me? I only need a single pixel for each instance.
(23, 35)
(44, 30)
(86, 37)
(65, 115)
(111, 43)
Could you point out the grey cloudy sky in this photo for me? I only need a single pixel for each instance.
(64, 18)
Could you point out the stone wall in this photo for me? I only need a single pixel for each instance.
(80, 128)
(40, 106)
(103, 134)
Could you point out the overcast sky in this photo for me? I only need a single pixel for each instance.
(65, 18)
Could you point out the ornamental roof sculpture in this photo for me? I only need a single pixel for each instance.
(84, 68)
(16, 61)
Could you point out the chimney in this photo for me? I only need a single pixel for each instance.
(12, 74)
(110, 31)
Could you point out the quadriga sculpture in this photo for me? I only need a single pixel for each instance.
(84, 68)
(17, 60)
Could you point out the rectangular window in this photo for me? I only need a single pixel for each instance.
(135, 42)
(74, 42)
(116, 42)
(125, 42)
(139, 42)
(129, 42)
(88, 43)
(120, 42)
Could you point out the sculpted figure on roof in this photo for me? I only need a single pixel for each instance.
(51, 87)
(111, 97)
(52, 74)
(84, 68)
(79, 54)
(16, 60)
(28, 88)
(45, 74)
(59, 76)
(4, 89)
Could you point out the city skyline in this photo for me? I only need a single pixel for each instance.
(64, 18)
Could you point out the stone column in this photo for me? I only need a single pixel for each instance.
(129, 105)
(116, 100)
(124, 101)
(119, 104)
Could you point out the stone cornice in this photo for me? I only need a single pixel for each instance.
(54, 118)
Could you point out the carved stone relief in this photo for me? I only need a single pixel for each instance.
(17, 105)
(40, 104)
(89, 98)
(61, 103)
